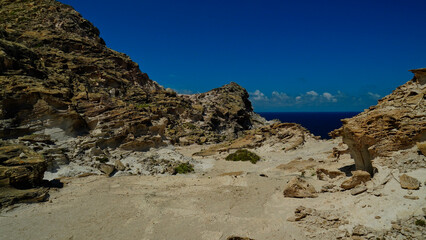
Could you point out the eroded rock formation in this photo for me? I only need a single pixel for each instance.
(57, 72)
(397, 122)
(286, 136)
(20, 170)
(68, 96)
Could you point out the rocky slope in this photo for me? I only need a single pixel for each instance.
(396, 123)
(68, 96)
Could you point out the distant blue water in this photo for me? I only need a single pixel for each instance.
(318, 123)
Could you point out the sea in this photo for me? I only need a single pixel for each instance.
(318, 123)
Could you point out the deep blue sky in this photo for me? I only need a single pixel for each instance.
(290, 55)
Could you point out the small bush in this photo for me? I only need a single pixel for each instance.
(420, 223)
(183, 168)
(141, 106)
(243, 155)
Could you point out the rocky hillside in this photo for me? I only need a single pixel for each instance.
(69, 97)
(396, 123)
(57, 72)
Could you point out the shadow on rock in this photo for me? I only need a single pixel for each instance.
(348, 170)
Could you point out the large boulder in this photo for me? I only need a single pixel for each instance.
(358, 177)
(21, 175)
(9, 195)
(21, 167)
(408, 182)
(397, 122)
(299, 188)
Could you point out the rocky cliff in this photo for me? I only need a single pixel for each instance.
(397, 122)
(57, 72)
(66, 95)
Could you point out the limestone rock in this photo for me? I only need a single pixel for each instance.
(299, 188)
(422, 147)
(358, 189)
(411, 197)
(21, 167)
(9, 195)
(300, 213)
(397, 122)
(35, 138)
(324, 174)
(119, 165)
(357, 178)
(142, 144)
(408, 182)
(286, 136)
(238, 238)
(107, 169)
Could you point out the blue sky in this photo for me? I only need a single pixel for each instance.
(289, 55)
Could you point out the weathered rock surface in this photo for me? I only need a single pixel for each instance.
(56, 71)
(408, 182)
(324, 174)
(358, 189)
(9, 195)
(357, 178)
(66, 95)
(239, 238)
(422, 147)
(299, 188)
(287, 136)
(21, 169)
(107, 169)
(397, 122)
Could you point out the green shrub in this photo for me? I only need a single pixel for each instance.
(243, 155)
(141, 106)
(183, 168)
(420, 223)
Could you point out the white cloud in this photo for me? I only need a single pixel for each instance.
(329, 97)
(280, 95)
(374, 95)
(298, 98)
(312, 93)
(259, 96)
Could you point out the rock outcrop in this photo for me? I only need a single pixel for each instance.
(286, 136)
(397, 122)
(66, 95)
(21, 167)
(299, 188)
(21, 175)
(408, 182)
(57, 72)
(357, 178)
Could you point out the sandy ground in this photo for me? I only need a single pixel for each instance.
(219, 200)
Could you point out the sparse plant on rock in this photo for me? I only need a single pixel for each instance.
(420, 223)
(243, 155)
(183, 168)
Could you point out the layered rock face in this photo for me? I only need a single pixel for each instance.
(21, 169)
(56, 72)
(285, 136)
(397, 122)
(73, 100)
